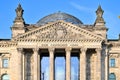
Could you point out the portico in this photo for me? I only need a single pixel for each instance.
(31, 60)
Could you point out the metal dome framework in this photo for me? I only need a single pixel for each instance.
(59, 16)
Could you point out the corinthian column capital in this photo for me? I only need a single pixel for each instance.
(35, 49)
(51, 49)
(68, 49)
(83, 49)
(20, 50)
(98, 50)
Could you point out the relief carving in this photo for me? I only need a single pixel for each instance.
(58, 32)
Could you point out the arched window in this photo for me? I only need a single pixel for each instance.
(5, 77)
(112, 76)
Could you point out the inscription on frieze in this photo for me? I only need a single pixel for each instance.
(59, 45)
(44, 45)
(73, 44)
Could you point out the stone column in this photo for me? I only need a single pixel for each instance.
(98, 50)
(83, 64)
(23, 67)
(0, 64)
(95, 66)
(107, 65)
(51, 53)
(68, 64)
(35, 56)
(20, 63)
(39, 66)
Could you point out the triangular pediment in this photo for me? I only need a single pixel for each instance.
(59, 30)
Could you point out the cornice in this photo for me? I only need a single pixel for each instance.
(59, 40)
(66, 24)
(16, 28)
(7, 43)
(101, 28)
(115, 43)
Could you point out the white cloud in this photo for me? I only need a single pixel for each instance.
(82, 8)
(73, 77)
(110, 17)
(87, 13)
(60, 74)
(46, 74)
(112, 22)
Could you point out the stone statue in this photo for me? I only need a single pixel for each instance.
(19, 11)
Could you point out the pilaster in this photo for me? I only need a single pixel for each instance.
(20, 63)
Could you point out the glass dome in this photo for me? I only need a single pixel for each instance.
(59, 16)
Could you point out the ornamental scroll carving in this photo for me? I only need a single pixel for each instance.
(59, 32)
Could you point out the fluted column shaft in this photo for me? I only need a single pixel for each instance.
(20, 63)
(83, 64)
(107, 66)
(98, 50)
(35, 55)
(39, 66)
(51, 53)
(68, 64)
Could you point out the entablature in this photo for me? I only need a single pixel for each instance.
(8, 43)
(60, 43)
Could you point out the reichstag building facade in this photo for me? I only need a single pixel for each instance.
(59, 35)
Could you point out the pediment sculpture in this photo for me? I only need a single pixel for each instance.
(58, 32)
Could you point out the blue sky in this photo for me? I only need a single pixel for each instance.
(82, 9)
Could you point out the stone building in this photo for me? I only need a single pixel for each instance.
(55, 35)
